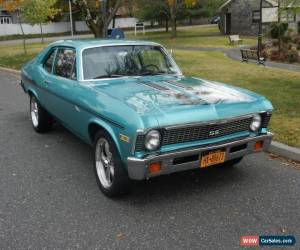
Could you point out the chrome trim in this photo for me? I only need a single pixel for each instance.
(213, 122)
(138, 167)
(123, 44)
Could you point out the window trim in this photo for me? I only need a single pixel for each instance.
(56, 48)
(47, 57)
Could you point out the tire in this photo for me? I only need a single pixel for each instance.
(231, 163)
(112, 177)
(41, 120)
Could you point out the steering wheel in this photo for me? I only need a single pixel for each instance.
(153, 66)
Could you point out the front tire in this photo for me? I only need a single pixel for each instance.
(112, 178)
(40, 118)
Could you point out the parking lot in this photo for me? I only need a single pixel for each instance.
(49, 198)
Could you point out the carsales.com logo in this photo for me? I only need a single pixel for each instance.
(249, 241)
(254, 241)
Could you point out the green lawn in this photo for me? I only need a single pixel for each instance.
(197, 37)
(280, 86)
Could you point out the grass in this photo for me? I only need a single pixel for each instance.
(281, 87)
(195, 37)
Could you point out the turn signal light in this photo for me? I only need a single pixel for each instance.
(258, 145)
(154, 167)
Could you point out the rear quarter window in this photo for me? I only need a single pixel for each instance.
(49, 61)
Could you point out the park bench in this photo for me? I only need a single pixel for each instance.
(251, 54)
(235, 39)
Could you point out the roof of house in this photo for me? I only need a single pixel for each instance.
(272, 2)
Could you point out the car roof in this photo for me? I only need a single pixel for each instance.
(85, 43)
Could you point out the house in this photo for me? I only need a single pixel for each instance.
(243, 17)
(7, 18)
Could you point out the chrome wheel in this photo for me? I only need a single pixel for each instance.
(104, 163)
(34, 111)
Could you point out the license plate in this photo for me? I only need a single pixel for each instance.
(212, 158)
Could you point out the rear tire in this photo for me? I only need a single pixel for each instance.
(112, 177)
(40, 118)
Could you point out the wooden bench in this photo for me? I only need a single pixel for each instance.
(251, 54)
(235, 39)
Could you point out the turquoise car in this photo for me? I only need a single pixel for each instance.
(143, 117)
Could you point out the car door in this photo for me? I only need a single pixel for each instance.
(60, 86)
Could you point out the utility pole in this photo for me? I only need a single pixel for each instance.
(71, 18)
(260, 33)
(104, 16)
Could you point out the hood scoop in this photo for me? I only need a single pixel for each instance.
(155, 86)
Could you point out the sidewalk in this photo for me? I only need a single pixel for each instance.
(235, 54)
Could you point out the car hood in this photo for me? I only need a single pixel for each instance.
(177, 100)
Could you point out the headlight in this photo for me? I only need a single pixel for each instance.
(152, 140)
(256, 123)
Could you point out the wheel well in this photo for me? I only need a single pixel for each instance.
(93, 130)
(30, 93)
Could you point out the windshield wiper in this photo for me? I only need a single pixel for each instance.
(109, 76)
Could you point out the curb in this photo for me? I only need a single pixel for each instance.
(285, 151)
(13, 71)
(277, 148)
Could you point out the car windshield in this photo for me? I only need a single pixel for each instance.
(118, 61)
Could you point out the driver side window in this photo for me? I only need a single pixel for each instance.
(65, 63)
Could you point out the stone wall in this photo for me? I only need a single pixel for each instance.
(242, 17)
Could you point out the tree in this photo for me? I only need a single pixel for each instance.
(170, 10)
(15, 6)
(98, 13)
(38, 12)
(176, 7)
(153, 10)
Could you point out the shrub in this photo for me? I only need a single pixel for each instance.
(292, 55)
(286, 39)
(274, 55)
(278, 29)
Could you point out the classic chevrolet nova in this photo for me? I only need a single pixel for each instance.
(143, 117)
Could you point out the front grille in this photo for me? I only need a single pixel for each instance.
(203, 131)
(266, 117)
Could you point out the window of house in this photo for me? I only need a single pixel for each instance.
(255, 16)
(49, 61)
(65, 63)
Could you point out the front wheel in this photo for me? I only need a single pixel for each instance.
(40, 118)
(112, 178)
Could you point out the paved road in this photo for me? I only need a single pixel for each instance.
(49, 198)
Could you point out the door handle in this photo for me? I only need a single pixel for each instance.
(47, 82)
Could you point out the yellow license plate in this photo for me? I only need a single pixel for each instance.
(212, 158)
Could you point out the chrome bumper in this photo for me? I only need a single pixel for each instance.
(138, 168)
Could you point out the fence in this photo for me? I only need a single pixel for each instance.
(60, 27)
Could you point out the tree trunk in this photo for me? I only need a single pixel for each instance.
(167, 25)
(97, 29)
(173, 25)
(42, 34)
(23, 34)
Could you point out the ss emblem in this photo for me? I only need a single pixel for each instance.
(214, 133)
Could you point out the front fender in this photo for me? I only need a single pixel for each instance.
(110, 129)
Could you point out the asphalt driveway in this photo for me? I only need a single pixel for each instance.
(49, 198)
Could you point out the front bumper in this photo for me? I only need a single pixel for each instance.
(138, 168)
